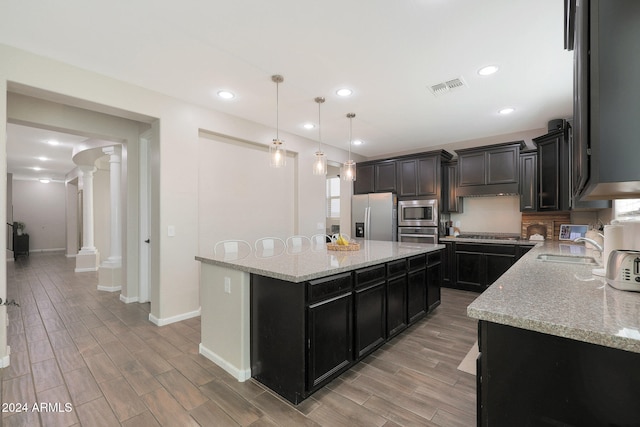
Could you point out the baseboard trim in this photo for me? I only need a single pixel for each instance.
(173, 319)
(128, 300)
(109, 288)
(85, 270)
(70, 255)
(240, 374)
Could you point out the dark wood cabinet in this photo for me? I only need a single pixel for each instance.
(492, 169)
(606, 93)
(364, 182)
(330, 338)
(303, 335)
(553, 171)
(451, 202)
(384, 176)
(478, 265)
(528, 378)
(447, 263)
(418, 175)
(529, 181)
(434, 279)
(522, 250)
(416, 288)
(370, 309)
(396, 297)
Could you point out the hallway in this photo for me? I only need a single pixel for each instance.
(95, 361)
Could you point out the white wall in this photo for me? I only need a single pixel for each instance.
(499, 214)
(42, 207)
(240, 196)
(175, 290)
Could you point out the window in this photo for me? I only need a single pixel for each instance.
(333, 197)
(627, 209)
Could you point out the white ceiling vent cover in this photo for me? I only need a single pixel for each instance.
(448, 86)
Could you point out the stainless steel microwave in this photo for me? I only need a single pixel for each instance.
(418, 213)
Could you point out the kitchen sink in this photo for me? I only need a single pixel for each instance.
(568, 259)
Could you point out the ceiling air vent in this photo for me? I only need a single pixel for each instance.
(448, 86)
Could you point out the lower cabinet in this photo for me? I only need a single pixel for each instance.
(330, 337)
(478, 265)
(305, 334)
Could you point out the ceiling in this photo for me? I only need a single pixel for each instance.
(388, 52)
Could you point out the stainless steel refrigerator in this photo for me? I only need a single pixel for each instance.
(375, 216)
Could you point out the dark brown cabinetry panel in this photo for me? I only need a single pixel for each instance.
(434, 279)
(429, 176)
(385, 177)
(417, 288)
(528, 181)
(407, 182)
(364, 179)
(553, 171)
(451, 201)
(478, 265)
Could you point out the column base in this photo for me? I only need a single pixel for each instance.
(87, 260)
(110, 276)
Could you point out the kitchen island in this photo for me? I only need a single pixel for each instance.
(558, 346)
(296, 321)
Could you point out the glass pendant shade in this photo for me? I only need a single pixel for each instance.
(277, 154)
(277, 150)
(349, 170)
(320, 164)
(349, 167)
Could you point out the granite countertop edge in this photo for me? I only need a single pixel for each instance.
(273, 273)
(563, 300)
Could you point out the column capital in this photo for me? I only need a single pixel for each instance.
(87, 169)
(113, 153)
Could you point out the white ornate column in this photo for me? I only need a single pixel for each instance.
(110, 272)
(88, 257)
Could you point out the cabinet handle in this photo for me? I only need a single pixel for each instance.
(147, 241)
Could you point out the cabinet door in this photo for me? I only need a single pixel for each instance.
(396, 305)
(528, 182)
(497, 265)
(416, 294)
(330, 338)
(471, 169)
(447, 261)
(452, 203)
(502, 165)
(407, 178)
(364, 179)
(428, 176)
(434, 281)
(470, 269)
(548, 171)
(385, 176)
(370, 331)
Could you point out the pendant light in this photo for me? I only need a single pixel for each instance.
(349, 167)
(277, 150)
(320, 163)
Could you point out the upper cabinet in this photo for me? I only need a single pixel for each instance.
(529, 181)
(451, 202)
(607, 88)
(409, 176)
(553, 171)
(488, 170)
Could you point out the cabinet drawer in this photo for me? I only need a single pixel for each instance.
(369, 275)
(487, 248)
(395, 268)
(328, 286)
(434, 258)
(417, 262)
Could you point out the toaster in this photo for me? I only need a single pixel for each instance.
(623, 270)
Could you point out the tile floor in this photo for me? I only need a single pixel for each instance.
(83, 357)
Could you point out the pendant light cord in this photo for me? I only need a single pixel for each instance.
(351, 116)
(319, 100)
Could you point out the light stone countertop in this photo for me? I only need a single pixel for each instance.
(313, 264)
(562, 299)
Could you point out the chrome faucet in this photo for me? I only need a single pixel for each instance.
(593, 242)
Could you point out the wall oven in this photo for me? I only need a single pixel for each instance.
(418, 235)
(418, 213)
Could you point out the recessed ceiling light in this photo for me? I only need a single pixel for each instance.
(488, 70)
(507, 110)
(308, 125)
(42, 159)
(53, 142)
(357, 142)
(45, 180)
(225, 94)
(36, 168)
(344, 92)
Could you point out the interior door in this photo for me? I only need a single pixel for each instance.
(145, 220)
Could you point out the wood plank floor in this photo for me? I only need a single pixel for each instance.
(73, 345)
